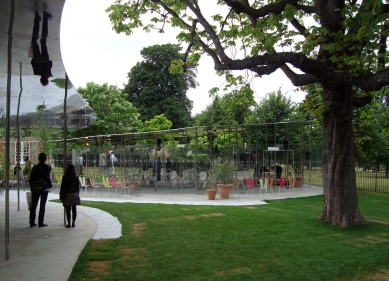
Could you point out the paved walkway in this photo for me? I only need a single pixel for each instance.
(49, 253)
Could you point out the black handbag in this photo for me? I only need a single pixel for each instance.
(39, 185)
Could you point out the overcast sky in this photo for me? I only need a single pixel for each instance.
(93, 52)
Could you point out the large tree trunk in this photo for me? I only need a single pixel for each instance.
(340, 206)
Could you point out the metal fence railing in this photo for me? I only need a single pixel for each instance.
(371, 181)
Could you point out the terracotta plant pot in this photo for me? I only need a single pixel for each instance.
(133, 185)
(211, 193)
(224, 190)
(298, 182)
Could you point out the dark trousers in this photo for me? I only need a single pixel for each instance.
(42, 207)
(35, 35)
(72, 208)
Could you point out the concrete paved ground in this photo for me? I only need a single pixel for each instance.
(41, 253)
(49, 253)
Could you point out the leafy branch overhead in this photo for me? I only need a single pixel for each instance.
(349, 37)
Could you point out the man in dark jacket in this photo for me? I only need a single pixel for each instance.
(39, 171)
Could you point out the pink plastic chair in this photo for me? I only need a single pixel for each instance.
(250, 185)
(282, 184)
(112, 180)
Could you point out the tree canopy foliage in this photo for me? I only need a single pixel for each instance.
(340, 45)
(153, 90)
(158, 123)
(114, 114)
(371, 129)
(231, 108)
(275, 107)
(214, 114)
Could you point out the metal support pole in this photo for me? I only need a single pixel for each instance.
(7, 135)
(64, 134)
(18, 134)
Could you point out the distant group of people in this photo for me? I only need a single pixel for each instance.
(157, 165)
(107, 159)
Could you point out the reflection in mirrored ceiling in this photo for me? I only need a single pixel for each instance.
(36, 57)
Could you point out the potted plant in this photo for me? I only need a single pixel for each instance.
(225, 179)
(211, 193)
(212, 175)
(298, 176)
(221, 174)
(133, 185)
(134, 178)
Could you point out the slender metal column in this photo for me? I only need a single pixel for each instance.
(7, 135)
(18, 133)
(64, 134)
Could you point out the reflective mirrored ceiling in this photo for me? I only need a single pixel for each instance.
(36, 58)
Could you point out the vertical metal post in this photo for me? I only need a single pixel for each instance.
(310, 158)
(7, 135)
(64, 134)
(65, 119)
(18, 134)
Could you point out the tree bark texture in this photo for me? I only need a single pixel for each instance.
(340, 206)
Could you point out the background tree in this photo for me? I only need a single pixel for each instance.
(158, 123)
(275, 107)
(42, 132)
(238, 102)
(114, 114)
(340, 45)
(371, 128)
(153, 90)
(214, 114)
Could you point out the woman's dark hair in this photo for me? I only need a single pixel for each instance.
(42, 157)
(70, 170)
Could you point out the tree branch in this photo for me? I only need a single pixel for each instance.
(192, 39)
(205, 47)
(385, 8)
(208, 28)
(362, 9)
(274, 8)
(372, 82)
(300, 28)
(307, 9)
(362, 101)
(266, 70)
(330, 14)
(298, 79)
(224, 22)
(298, 60)
(383, 47)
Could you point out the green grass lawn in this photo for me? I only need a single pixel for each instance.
(283, 240)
